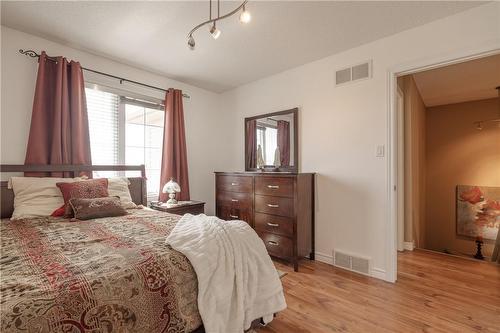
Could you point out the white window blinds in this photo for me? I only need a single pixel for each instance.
(102, 108)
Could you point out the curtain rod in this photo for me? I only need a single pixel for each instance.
(33, 54)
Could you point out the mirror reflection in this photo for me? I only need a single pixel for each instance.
(270, 141)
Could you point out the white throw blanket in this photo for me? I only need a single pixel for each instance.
(237, 281)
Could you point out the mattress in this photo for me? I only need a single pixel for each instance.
(104, 275)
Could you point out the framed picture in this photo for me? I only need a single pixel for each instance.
(478, 211)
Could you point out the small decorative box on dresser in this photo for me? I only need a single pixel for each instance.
(279, 206)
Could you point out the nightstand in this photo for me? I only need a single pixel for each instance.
(183, 207)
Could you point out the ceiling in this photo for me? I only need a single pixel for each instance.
(463, 82)
(281, 35)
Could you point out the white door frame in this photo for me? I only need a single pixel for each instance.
(420, 65)
(400, 143)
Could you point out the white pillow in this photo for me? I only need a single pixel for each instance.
(37, 196)
(118, 187)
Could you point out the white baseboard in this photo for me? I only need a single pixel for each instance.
(409, 246)
(377, 273)
(325, 258)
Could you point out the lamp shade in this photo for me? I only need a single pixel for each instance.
(171, 187)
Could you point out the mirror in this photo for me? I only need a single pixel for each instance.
(271, 141)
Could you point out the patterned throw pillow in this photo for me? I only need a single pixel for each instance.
(89, 189)
(86, 209)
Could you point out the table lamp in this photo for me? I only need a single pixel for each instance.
(171, 188)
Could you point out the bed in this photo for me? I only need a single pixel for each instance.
(103, 275)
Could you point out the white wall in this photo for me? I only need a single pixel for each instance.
(203, 114)
(339, 128)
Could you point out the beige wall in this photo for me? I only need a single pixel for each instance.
(458, 154)
(414, 115)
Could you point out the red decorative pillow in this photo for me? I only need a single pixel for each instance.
(59, 211)
(87, 189)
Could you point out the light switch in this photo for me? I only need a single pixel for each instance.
(380, 151)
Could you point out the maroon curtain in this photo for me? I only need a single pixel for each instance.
(251, 144)
(59, 132)
(284, 142)
(174, 159)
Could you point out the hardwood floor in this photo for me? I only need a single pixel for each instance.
(434, 293)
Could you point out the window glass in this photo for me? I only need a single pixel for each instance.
(271, 139)
(134, 137)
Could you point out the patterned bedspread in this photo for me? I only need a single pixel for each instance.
(103, 275)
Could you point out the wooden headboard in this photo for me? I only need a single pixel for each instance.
(137, 185)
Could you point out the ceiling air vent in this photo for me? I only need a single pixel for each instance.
(352, 263)
(353, 73)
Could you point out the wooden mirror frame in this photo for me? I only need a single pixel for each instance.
(295, 112)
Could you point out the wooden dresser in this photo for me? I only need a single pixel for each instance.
(279, 206)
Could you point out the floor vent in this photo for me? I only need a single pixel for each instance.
(352, 263)
(353, 73)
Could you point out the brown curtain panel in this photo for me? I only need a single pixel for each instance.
(59, 132)
(174, 159)
(284, 142)
(251, 158)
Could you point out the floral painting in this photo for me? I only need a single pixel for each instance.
(478, 211)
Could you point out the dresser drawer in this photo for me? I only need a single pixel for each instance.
(242, 184)
(274, 205)
(275, 224)
(229, 213)
(276, 245)
(276, 186)
(235, 199)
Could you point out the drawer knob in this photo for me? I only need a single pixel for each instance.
(272, 206)
(272, 243)
(233, 216)
(234, 184)
(234, 200)
(273, 186)
(273, 224)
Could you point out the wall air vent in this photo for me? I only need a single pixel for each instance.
(343, 76)
(341, 260)
(353, 263)
(353, 73)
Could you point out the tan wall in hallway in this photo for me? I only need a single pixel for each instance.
(415, 122)
(457, 154)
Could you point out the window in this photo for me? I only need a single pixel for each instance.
(261, 141)
(271, 140)
(124, 130)
(144, 142)
(267, 137)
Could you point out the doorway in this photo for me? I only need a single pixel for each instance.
(447, 158)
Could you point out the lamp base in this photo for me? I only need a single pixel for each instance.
(478, 254)
(172, 200)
